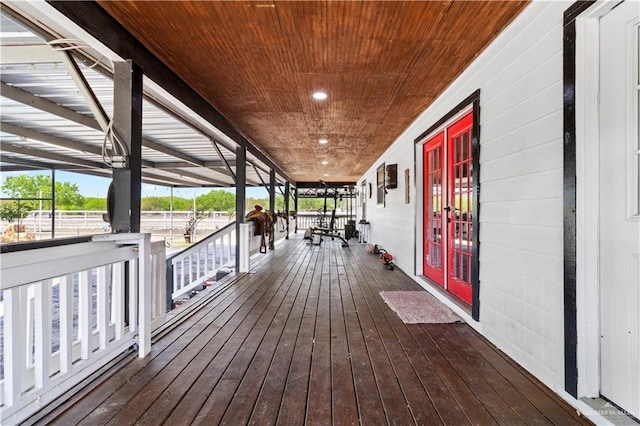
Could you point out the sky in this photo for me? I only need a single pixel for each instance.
(95, 186)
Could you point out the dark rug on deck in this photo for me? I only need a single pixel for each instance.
(415, 307)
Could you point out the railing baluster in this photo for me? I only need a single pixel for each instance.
(194, 266)
(66, 322)
(133, 295)
(214, 256)
(180, 281)
(232, 251)
(117, 303)
(223, 250)
(84, 315)
(13, 353)
(26, 299)
(175, 277)
(102, 302)
(42, 316)
(207, 262)
(198, 257)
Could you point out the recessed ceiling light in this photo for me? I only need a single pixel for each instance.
(325, 162)
(323, 141)
(320, 96)
(326, 174)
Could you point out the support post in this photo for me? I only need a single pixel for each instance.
(272, 190)
(286, 208)
(127, 125)
(295, 207)
(272, 206)
(241, 178)
(244, 238)
(53, 203)
(144, 283)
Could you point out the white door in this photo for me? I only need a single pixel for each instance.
(620, 207)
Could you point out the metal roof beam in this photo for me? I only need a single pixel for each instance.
(23, 162)
(33, 54)
(197, 176)
(43, 104)
(322, 184)
(224, 160)
(50, 139)
(93, 19)
(85, 90)
(215, 165)
(259, 175)
(147, 143)
(16, 149)
(56, 140)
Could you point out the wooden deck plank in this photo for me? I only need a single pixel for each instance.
(344, 406)
(467, 389)
(166, 403)
(421, 406)
(509, 393)
(242, 405)
(367, 395)
(448, 410)
(464, 397)
(306, 339)
(501, 412)
(319, 392)
(268, 402)
(200, 349)
(265, 333)
(294, 399)
(170, 362)
(556, 410)
(212, 367)
(475, 412)
(395, 405)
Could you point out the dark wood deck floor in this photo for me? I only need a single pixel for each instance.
(306, 338)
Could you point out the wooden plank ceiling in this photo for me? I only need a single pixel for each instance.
(381, 63)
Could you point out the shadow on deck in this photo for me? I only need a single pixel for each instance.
(306, 338)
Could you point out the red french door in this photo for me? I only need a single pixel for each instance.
(448, 192)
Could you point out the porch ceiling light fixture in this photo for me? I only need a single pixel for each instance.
(323, 141)
(325, 162)
(319, 96)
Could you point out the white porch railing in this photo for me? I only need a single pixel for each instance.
(315, 219)
(190, 268)
(67, 312)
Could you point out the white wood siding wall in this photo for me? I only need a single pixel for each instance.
(521, 237)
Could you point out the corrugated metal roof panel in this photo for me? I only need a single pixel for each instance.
(56, 137)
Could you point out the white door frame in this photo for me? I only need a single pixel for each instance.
(587, 197)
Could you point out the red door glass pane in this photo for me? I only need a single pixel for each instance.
(459, 198)
(433, 250)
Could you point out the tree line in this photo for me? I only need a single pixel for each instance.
(31, 192)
